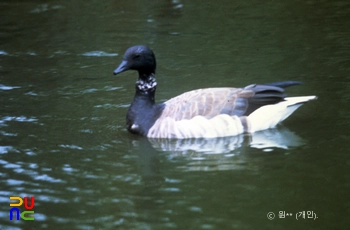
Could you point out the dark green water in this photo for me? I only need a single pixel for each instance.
(62, 115)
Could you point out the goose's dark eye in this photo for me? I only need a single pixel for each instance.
(137, 56)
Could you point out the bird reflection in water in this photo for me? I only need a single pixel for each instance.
(224, 153)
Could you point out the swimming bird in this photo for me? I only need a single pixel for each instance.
(203, 113)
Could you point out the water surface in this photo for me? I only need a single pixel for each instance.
(62, 115)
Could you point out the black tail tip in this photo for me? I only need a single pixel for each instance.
(284, 84)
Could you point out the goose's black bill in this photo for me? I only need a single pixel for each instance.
(121, 68)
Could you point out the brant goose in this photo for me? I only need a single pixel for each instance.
(203, 113)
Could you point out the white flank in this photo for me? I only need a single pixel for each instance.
(198, 127)
(270, 115)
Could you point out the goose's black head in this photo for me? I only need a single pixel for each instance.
(140, 58)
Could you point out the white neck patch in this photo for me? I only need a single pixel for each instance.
(146, 85)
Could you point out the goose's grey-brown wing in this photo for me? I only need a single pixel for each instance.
(214, 101)
(208, 103)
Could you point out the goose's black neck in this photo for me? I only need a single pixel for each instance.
(143, 111)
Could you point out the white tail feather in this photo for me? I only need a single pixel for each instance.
(270, 115)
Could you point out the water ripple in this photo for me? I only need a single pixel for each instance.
(7, 149)
(5, 87)
(71, 147)
(11, 166)
(19, 119)
(99, 54)
(14, 182)
(45, 7)
(108, 105)
(47, 178)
